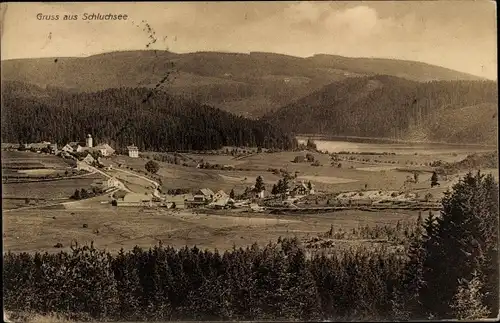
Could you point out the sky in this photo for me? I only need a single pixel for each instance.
(460, 35)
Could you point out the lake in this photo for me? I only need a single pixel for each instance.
(398, 148)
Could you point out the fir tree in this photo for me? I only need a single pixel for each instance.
(461, 241)
(468, 301)
(259, 184)
(434, 179)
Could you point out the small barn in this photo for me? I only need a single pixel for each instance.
(135, 199)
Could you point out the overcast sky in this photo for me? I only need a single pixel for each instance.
(460, 35)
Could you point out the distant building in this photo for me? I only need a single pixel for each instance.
(303, 189)
(133, 151)
(203, 195)
(135, 199)
(81, 165)
(221, 200)
(79, 148)
(88, 141)
(53, 149)
(179, 201)
(39, 146)
(104, 149)
(107, 184)
(67, 148)
(89, 159)
(220, 195)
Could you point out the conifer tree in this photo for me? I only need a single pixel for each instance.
(434, 179)
(259, 184)
(462, 240)
(468, 301)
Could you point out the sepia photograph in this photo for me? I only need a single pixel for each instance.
(279, 161)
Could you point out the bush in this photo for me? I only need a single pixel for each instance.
(152, 167)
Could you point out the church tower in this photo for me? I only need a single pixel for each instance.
(88, 142)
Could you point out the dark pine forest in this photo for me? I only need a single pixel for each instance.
(150, 119)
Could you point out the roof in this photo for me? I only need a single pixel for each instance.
(222, 201)
(178, 198)
(221, 194)
(103, 146)
(132, 147)
(74, 143)
(39, 145)
(89, 158)
(206, 192)
(137, 197)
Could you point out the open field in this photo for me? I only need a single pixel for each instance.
(40, 230)
(48, 190)
(26, 160)
(113, 228)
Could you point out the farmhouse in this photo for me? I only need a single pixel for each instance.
(221, 200)
(178, 201)
(106, 184)
(220, 195)
(303, 189)
(81, 165)
(68, 148)
(135, 199)
(133, 151)
(89, 159)
(104, 149)
(204, 195)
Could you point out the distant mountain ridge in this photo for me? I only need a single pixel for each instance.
(386, 106)
(245, 84)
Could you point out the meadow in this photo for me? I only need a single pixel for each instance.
(114, 228)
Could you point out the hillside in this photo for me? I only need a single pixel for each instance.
(153, 120)
(390, 107)
(246, 84)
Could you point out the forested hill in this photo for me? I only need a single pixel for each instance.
(390, 107)
(153, 120)
(246, 84)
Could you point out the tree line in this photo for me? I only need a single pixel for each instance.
(152, 120)
(448, 270)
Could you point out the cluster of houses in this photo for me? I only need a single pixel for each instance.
(76, 147)
(204, 197)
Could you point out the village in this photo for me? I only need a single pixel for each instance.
(121, 196)
(96, 159)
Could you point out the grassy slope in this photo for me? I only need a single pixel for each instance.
(248, 84)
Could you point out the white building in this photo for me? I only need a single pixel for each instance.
(133, 151)
(88, 141)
